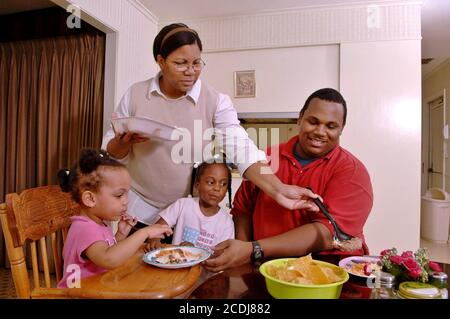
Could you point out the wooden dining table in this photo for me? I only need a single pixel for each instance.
(138, 280)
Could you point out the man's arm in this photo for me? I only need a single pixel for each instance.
(299, 241)
(242, 211)
(243, 227)
(296, 242)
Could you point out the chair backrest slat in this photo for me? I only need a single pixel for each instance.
(57, 260)
(64, 232)
(34, 264)
(43, 246)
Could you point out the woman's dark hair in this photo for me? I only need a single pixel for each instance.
(326, 94)
(198, 169)
(173, 36)
(84, 173)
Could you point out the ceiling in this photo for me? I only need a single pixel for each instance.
(435, 15)
(182, 9)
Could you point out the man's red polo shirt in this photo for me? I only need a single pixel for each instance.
(339, 178)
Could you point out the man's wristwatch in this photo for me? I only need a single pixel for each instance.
(257, 253)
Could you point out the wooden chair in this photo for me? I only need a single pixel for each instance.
(34, 217)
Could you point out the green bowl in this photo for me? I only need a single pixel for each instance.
(285, 290)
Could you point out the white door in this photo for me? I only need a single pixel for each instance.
(436, 150)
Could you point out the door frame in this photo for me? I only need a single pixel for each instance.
(426, 137)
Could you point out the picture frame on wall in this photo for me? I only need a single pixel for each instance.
(244, 84)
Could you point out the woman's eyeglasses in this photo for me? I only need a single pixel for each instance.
(183, 67)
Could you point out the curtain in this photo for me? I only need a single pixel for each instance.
(51, 98)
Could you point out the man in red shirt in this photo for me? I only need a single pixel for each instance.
(311, 159)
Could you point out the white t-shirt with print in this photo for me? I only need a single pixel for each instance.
(193, 226)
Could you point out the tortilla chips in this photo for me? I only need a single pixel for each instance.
(306, 271)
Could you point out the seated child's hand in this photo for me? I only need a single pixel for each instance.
(187, 243)
(158, 231)
(152, 244)
(125, 224)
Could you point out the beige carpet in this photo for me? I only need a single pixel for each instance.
(7, 289)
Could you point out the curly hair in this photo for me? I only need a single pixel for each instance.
(85, 173)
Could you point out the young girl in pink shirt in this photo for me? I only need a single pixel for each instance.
(100, 185)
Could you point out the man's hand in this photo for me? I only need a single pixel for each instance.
(229, 253)
(295, 197)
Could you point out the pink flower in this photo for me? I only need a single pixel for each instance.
(408, 254)
(396, 259)
(434, 266)
(408, 265)
(411, 264)
(385, 252)
(415, 273)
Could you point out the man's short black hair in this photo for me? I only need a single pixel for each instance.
(326, 94)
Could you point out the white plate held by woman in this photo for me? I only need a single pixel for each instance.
(176, 257)
(144, 126)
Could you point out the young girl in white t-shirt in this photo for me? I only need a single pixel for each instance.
(200, 221)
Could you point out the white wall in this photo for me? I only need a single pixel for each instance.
(130, 30)
(284, 76)
(382, 85)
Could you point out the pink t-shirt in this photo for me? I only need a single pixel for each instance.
(82, 233)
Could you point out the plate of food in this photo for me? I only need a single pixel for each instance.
(176, 257)
(361, 266)
(144, 126)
